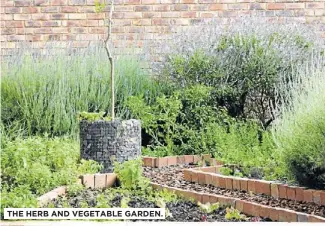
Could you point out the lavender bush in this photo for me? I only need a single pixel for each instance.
(244, 62)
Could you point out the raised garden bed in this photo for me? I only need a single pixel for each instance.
(173, 176)
(184, 208)
(181, 175)
(179, 210)
(211, 175)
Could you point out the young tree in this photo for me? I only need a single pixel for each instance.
(99, 8)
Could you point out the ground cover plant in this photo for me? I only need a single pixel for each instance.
(33, 166)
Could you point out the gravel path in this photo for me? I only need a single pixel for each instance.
(173, 176)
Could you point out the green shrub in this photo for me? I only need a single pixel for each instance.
(45, 93)
(130, 175)
(242, 66)
(33, 166)
(300, 131)
(184, 123)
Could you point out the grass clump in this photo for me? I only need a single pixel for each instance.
(300, 131)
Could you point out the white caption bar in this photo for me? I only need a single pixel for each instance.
(83, 213)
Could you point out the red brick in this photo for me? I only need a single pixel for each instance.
(287, 216)
(295, 5)
(275, 190)
(208, 178)
(209, 169)
(274, 214)
(244, 184)
(226, 201)
(50, 9)
(251, 186)
(22, 3)
(229, 182)
(239, 205)
(180, 159)
(308, 195)
(189, 159)
(313, 218)
(322, 198)
(275, 6)
(315, 5)
(30, 10)
(58, 2)
(249, 208)
(194, 176)
(198, 196)
(33, 23)
(316, 196)
(172, 161)
(187, 175)
(161, 162)
(291, 193)
(149, 161)
(236, 184)
(220, 181)
(214, 199)
(299, 194)
(205, 198)
(10, 24)
(88, 180)
(69, 9)
(60, 16)
(201, 177)
(100, 180)
(77, 2)
(263, 187)
(50, 23)
(283, 191)
(264, 211)
(95, 16)
(41, 2)
(188, 194)
(196, 159)
(110, 179)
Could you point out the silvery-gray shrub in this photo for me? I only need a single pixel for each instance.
(245, 61)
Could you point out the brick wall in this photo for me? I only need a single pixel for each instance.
(76, 22)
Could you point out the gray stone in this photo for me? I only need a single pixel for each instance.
(106, 141)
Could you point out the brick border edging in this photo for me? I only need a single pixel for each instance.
(210, 176)
(157, 162)
(246, 207)
(104, 180)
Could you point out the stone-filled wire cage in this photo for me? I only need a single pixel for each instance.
(109, 141)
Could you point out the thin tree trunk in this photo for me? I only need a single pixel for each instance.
(111, 59)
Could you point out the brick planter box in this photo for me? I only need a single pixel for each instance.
(89, 181)
(158, 162)
(246, 207)
(211, 175)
